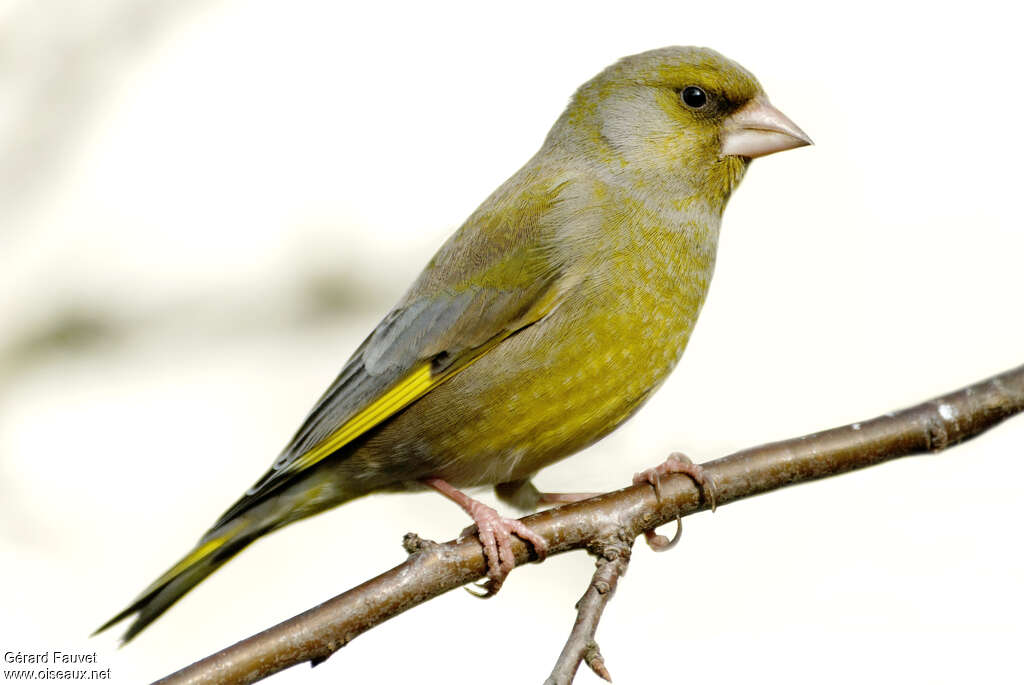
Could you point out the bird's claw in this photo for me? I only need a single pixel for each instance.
(677, 462)
(495, 533)
(660, 543)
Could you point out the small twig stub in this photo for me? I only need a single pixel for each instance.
(613, 554)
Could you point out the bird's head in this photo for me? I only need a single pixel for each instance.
(686, 119)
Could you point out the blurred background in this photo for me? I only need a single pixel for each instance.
(206, 204)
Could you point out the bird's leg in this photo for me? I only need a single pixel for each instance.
(495, 533)
(677, 462)
(524, 495)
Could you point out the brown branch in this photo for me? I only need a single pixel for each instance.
(433, 569)
(612, 561)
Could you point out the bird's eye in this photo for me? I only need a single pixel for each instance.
(694, 97)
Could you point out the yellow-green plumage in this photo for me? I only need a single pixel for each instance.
(545, 321)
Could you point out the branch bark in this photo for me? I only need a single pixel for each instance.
(433, 569)
(612, 560)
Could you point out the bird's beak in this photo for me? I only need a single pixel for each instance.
(758, 129)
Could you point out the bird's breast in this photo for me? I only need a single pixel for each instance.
(566, 381)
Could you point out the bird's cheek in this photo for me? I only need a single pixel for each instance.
(724, 176)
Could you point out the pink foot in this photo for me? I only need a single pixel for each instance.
(495, 533)
(677, 462)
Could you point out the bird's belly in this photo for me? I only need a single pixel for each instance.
(541, 395)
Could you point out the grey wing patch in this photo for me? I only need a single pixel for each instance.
(394, 346)
(411, 335)
(437, 328)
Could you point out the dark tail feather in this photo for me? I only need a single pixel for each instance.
(213, 550)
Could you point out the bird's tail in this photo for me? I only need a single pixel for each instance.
(214, 549)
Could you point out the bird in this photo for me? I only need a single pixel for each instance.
(543, 323)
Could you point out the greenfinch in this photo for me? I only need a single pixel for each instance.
(547, 319)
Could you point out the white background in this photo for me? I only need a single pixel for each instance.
(203, 162)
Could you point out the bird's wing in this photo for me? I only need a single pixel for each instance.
(486, 283)
(410, 352)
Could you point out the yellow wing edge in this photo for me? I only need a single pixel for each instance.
(399, 396)
(415, 385)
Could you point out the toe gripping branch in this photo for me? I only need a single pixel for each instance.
(677, 462)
